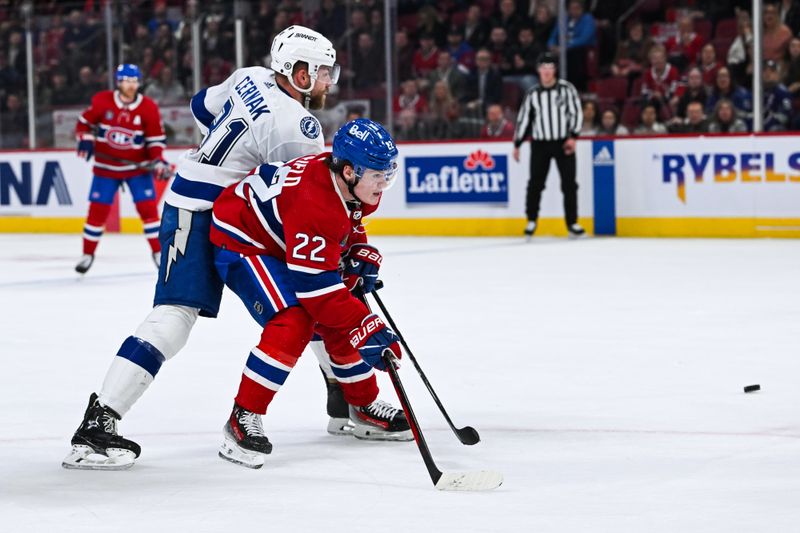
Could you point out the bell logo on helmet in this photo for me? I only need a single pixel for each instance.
(356, 132)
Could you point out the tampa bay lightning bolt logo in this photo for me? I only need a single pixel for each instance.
(310, 127)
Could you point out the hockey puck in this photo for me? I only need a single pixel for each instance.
(752, 388)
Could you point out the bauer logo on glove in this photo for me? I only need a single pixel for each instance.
(361, 267)
(372, 339)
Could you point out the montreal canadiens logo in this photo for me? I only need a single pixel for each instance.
(119, 138)
(310, 127)
(479, 158)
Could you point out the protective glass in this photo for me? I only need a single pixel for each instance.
(326, 74)
(380, 177)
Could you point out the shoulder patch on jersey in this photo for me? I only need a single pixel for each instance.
(310, 127)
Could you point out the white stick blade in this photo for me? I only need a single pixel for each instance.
(483, 480)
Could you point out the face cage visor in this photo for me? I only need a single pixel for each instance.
(374, 177)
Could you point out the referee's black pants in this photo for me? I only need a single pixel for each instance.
(541, 154)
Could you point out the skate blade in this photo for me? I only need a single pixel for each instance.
(370, 433)
(340, 426)
(85, 458)
(470, 481)
(231, 451)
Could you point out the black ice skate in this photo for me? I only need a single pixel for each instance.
(530, 229)
(84, 264)
(338, 410)
(244, 440)
(96, 444)
(576, 230)
(380, 421)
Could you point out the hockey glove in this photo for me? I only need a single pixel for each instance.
(86, 148)
(361, 267)
(372, 339)
(162, 170)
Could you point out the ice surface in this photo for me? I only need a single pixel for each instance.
(605, 377)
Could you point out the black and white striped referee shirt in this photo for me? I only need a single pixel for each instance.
(549, 114)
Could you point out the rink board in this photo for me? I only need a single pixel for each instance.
(731, 186)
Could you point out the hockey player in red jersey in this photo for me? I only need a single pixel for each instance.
(123, 130)
(280, 235)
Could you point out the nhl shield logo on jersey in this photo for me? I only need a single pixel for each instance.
(310, 127)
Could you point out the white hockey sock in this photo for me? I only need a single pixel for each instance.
(124, 384)
(318, 347)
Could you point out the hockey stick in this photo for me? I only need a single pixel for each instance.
(467, 435)
(469, 481)
(146, 165)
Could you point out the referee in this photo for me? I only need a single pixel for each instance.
(551, 113)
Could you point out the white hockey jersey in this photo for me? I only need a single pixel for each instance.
(247, 120)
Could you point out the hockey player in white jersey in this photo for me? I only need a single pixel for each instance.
(256, 116)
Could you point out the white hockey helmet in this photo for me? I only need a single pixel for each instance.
(298, 43)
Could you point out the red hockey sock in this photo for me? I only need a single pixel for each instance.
(283, 340)
(94, 226)
(148, 212)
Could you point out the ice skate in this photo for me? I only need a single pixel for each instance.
(84, 264)
(244, 440)
(576, 231)
(530, 228)
(338, 410)
(96, 444)
(380, 421)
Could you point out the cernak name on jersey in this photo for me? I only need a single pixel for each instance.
(252, 97)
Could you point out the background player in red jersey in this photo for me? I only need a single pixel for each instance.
(123, 130)
(280, 235)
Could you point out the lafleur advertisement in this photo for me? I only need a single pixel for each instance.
(480, 177)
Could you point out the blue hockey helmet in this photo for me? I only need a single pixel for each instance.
(366, 145)
(128, 71)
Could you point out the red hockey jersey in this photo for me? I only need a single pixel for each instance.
(131, 132)
(296, 213)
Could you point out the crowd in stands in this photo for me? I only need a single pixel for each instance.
(461, 68)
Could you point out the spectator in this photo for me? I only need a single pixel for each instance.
(358, 24)
(694, 91)
(507, 17)
(141, 40)
(725, 120)
(87, 86)
(523, 59)
(376, 29)
(792, 67)
(332, 19)
(407, 127)
(609, 124)
(462, 53)
(215, 42)
(581, 35)
(448, 72)
(425, 58)
(476, 29)
(776, 34)
(683, 49)
(500, 49)
(52, 40)
(443, 115)
(726, 88)
(16, 52)
(13, 124)
(709, 66)
(354, 112)
(164, 39)
(496, 125)
(404, 55)
(695, 121)
(216, 70)
(543, 24)
(428, 22)
(367, 63)
(661, 79)
(410, 98)
(591, 118)
(77, 31)
(777, 99)
(10, 79)
(485, 84)
(166, 91)
(740, 54)
(631, 53)
(62, 94)
(160, 17)
(648, 122)
(790, 15)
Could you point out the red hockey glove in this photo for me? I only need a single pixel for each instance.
(162, 170)
(374, 338)
(361, 266)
